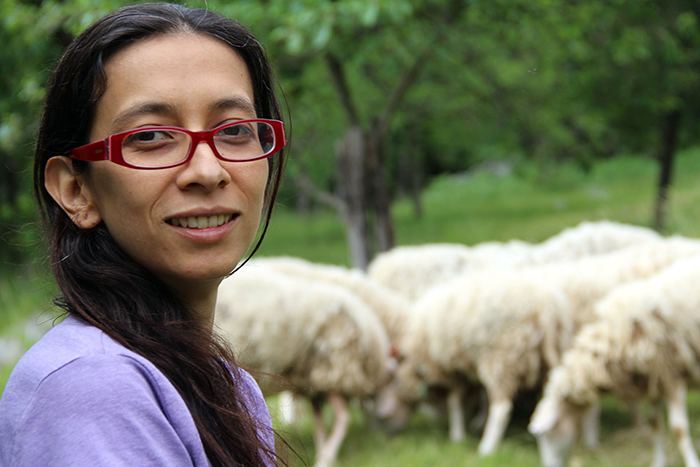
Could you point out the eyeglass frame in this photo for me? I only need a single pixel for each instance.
(110, 148)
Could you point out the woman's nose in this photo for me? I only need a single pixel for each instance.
(204, 169)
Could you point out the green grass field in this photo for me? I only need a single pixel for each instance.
(526, 205)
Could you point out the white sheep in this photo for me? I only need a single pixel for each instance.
(644, 344)
(391, 308)
(588, 239)
(319, 338)
(587, 280)
(455, 325)
(500, 328)
(412, 270)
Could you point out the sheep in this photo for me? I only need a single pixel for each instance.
(587, 280)
(589, 239)
(320, 338)
(412, 270)
(454, 326)
(390, 307)
(500, 328)
(644, 344)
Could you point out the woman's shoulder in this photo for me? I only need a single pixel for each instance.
(77, 358)
(69, 347)
(102, 383)
(76, 378)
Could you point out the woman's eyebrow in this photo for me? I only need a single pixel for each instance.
(122, 121)
(236, 103)
(145, 108)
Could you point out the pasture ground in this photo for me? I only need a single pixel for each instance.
(425, 442)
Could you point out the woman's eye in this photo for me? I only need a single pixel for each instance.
(236, 130)
(150, 136)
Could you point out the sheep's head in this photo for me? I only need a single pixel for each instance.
(555, 425)
(397, 399)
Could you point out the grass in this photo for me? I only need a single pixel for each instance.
(23, 294)
(530, 205)
(425, 443)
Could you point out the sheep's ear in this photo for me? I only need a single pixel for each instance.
(545, 417)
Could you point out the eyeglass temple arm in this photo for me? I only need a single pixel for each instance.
(91, 152)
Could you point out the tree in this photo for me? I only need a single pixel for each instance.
(358, 41)
(640, 63)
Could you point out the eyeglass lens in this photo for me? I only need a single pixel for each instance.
(162, 148)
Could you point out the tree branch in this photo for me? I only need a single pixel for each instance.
(453, 11)
(341, 85)
(399, 92)
(306, 185)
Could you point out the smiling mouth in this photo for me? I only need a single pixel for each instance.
(200, 222)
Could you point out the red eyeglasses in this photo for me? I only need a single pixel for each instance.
(162, 147)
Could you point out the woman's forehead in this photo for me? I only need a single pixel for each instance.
(181, 73)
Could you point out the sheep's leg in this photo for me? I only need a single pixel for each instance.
(341, 416)
(638, 419)
(319, 428)
(678, 421)
(287, 407)
(657, 421)
(591, 426)
(456, 414)
(482, 411)
(499, 415)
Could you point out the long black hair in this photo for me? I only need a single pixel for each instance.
(99, 282)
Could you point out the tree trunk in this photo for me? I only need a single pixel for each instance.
(667, 151)
(303, 202)
(351, 189)
(361, 159)
(379, 199)
(416, 191)
(410, 180)
(10, 186)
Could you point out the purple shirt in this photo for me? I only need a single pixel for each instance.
(78, 398)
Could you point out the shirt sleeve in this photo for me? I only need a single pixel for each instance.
(98, 410)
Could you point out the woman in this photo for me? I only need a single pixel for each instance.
(152, 180)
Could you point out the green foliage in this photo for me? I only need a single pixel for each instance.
(505, 80)
(23, 293)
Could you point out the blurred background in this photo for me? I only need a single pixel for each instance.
(417, 122)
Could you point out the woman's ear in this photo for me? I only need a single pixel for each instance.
(70, 191)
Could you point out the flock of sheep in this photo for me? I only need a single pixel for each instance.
(601, 307)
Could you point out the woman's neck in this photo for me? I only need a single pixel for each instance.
(200, 299)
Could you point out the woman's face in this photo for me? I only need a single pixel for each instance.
(195, 82)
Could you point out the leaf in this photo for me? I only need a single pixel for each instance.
(370, 15)
(322, 36)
